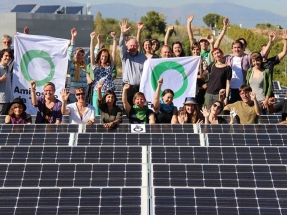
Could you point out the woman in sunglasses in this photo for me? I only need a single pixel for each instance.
(79, 112)
(211, 115)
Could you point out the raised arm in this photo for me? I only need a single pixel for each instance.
(99, 86)
(65, 96)
(122, 43)
(256, 105)
(272, 37)
(227, 89)
(140, 27)
(189, 31)
(222, 33)
(126, 104)
(114, 50)
(26, 30)
(33, 93)
(98, 45)
(169, 29)
(156, 105)
(284, 51)
(72, 45)
(92, 48)
(210, 39)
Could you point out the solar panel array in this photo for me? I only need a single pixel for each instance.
(168, 170)
(72, 9)
(23, 8)
(48, 9)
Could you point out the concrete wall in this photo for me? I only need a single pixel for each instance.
(55, 25)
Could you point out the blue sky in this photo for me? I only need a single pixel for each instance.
(275, 6)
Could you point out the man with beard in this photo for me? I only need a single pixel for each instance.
(248, 109)
(132, 62)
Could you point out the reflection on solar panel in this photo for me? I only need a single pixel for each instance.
(238, 128)
(21, 139)
(276, 85)
(70, 175)
(47, 9)
(47, 154)
(25, 8)
(72, 10)
(102, 201)
(139, 139)
(219, 155)
(247, 139)
(38, 128)
(169, 201)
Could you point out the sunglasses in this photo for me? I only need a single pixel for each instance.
(217, 106)
(6, 42)
(80, 94)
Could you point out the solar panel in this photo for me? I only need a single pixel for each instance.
(47, 154)
(170, 201)
(47, 9)
(38, 128)
(239, 128)
(24, 8)
(224, 176)
(71, 175)
(72, 9)
(276, 85)
(246, 139)
(219, 155)
(70, 201)
(20, 139)
(144, 139)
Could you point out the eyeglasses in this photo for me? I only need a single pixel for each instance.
(217, 106)
(80, 94)
(5, 42)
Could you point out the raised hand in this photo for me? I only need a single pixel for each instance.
(113, 35)
(93, 35)
(33, 84)
(284, 36)
(252, 95)
(272, 36)
(182, 117)
(199, 121)
(74, 32)
(126, 86)
(205, 112)
(222, 92)
(140, 25)
(225, 22)
(26, 30)
(210, 39)
(100, 85)
(190, 18)
(64, 95)
(233, 114)
(99, 38)
(124, 28)
(170, 28)
(160, 81)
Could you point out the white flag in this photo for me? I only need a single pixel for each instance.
(179, 74)
(40, 58)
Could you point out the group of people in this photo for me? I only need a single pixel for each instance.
(238, 83)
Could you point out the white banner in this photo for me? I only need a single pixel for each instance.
(40, 58)
(179, 74)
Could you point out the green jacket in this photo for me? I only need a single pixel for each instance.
(267, 81)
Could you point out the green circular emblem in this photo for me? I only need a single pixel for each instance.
(168, 65)
(28, 57)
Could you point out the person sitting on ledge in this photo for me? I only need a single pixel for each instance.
(139, 113)
(111, 114)
(80, 112)
(17, 114)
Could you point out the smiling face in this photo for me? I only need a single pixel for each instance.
(167, 98)
(6, 58)
(177, 49)
(110, 99)
(17, 109)
(139, 101)
(237, 49)
(204, 45)
(195, 51)
(155, 45)
(147, 46)
(189, 108)
(49, 91)
(215, 108)
(104, 57)
(256, 63)
(132, 46)
(165, 52)
(245, 96)
(6, 43)
(80, 95)
(217, 55)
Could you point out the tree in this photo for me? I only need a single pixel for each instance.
(99, 23)
(154, 23)
(177, 22)
(211, 19)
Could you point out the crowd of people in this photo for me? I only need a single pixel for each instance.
(237, 84)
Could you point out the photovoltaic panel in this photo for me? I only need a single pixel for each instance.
(91, 154)
(276, 85)
(42, 201)
(247, 139)
(224, 176)
(23, 8)
(170, 201)
(70, 175)
(219, 155)
(39, 128)
(21, 139)
(47, 9)
(72, 9)
(238, 128)
(143, 139)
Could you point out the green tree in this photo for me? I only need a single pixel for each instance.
(211, 19)
(177, 22)
(154, 23)
(99, 23)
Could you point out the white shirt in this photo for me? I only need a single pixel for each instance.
(237, 75)
(74, 114)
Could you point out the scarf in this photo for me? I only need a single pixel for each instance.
(166, 108)
(78, 66)
(141, 112)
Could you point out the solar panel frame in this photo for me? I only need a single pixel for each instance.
(23, 8)
(48, 9)
(72, 9)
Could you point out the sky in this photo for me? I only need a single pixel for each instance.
(275, 6)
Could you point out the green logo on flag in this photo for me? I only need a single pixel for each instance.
(28, 57)
(168, 65)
